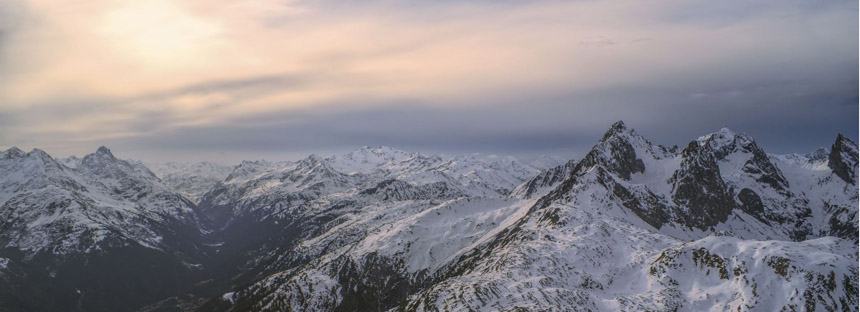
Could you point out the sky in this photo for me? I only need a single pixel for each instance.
(219, 80)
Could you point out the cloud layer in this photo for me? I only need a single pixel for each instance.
(228, 80)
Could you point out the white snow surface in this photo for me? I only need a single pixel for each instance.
(101, 201)
(190, 179)
(344, 176)
(472, 232)
(572, 244)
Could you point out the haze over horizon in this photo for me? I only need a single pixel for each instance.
(251, 155)
(222, 81)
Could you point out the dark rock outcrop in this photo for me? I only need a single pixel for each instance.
(843, 159)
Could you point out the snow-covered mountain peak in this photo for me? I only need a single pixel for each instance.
(38, 153)
(619, 135)
(12, 152)
(814, 160)
(726, 142)
(379, 150)
(366, 159)
(101, 197)
(313, 158)
(721, 137)
(254, 162)
(503, 161)
(72, 161)
(618, 125)
(103, 165)
(103, 150)
(46, 161)
(848, 143)
(820, 154)
(191, 179)
(167, 168)
(101, 156)
(41, 156)
(618, 130)
(36, 167)
(724, 134)
(621, 151)
(466, 161)
(314, 162)
(248, 169)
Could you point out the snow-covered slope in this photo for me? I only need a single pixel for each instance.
(599, 263)
(828, 185)
(718, 224)
(190, 179)
(472, 174)
(104, 217)
(279, 187)
(632, 226)
(613, 237)
(266, 212)
(47, 206)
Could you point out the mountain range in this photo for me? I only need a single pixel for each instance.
(717, 224)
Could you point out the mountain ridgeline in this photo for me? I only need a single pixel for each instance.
(717, 224)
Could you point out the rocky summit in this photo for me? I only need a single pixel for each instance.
(716, 224)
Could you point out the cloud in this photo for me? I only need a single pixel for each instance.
(597, 42)
(514, 77)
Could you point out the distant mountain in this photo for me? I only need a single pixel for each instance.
(190, 179)
(364, 172)
(545, 162)
(717, 224)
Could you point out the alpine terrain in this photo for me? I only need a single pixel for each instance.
(717, 224)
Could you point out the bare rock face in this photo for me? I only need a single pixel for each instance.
(698, 189)
(843, 159)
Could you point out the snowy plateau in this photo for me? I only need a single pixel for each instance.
(715, 225)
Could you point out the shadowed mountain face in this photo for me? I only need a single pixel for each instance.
(843, 159)
(717, 224)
